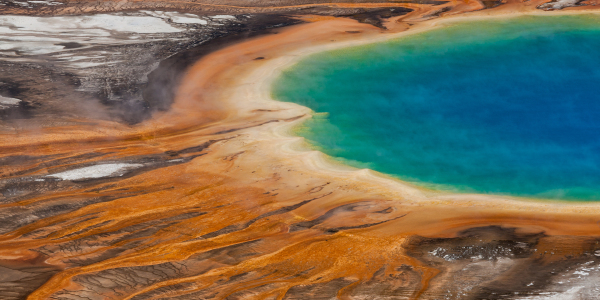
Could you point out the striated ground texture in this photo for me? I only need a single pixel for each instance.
(142, 158)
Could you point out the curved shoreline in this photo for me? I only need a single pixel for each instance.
(258, 97)
(306, 91)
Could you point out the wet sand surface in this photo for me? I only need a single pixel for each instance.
(214, 199)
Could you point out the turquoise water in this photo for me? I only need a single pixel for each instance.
(503, 107)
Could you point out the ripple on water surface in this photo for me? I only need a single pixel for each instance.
(506, 106)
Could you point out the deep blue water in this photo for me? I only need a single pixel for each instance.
(505, 107)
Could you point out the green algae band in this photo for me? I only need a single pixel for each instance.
(504, 106)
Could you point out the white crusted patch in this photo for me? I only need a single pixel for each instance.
(560, 4)
(176, 17)
(86, 25)
(31, 3)
(22, 36)
(6, 102)
(45, 2)
(223, 17)
(571, 294)
(580, 282)
(30, 35)
(97, 171)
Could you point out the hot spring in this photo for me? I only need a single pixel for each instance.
(507, 106)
